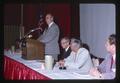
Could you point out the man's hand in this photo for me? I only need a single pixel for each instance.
(95, 72)
(61, 63)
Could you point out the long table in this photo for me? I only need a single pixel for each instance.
(16, 68)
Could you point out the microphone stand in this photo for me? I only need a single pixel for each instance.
(23, 40)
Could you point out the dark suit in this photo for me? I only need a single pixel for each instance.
(65, 53)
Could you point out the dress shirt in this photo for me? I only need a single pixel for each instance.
(50, 24)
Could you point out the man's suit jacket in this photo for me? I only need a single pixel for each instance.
(50, 38)
(65, 54)
(106, 68)
(82, 62)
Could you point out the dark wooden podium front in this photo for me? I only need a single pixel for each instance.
(33, 50)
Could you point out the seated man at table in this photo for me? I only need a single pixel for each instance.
(106, 69)
(65, 44)
(79, 58)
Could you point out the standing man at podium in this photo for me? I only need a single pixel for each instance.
(50, 37)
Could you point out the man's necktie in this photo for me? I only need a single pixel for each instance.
(111, 62)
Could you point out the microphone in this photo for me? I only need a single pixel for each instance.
(36, 29)
(28, 34)
(39, 25)
(33, 31)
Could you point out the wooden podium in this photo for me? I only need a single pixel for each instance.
(32, 50)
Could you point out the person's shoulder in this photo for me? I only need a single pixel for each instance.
(108, 57)
(83, 49)
(55, 25)
(72, 53)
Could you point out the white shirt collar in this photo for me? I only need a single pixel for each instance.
(114, 57)
(50, 24)
(67, 48)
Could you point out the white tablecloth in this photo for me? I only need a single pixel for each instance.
(53, 74)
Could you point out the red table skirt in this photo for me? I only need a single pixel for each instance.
(14, 70)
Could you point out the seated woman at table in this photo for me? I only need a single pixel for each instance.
(78, 59)
(107, 68)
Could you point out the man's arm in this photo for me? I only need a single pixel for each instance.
(83, 57)
(105, 66)
(110, 75)
(50, 35)
(41, 36)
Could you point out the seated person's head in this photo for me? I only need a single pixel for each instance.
(65, 42)
(75, 44)
(111, 44)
